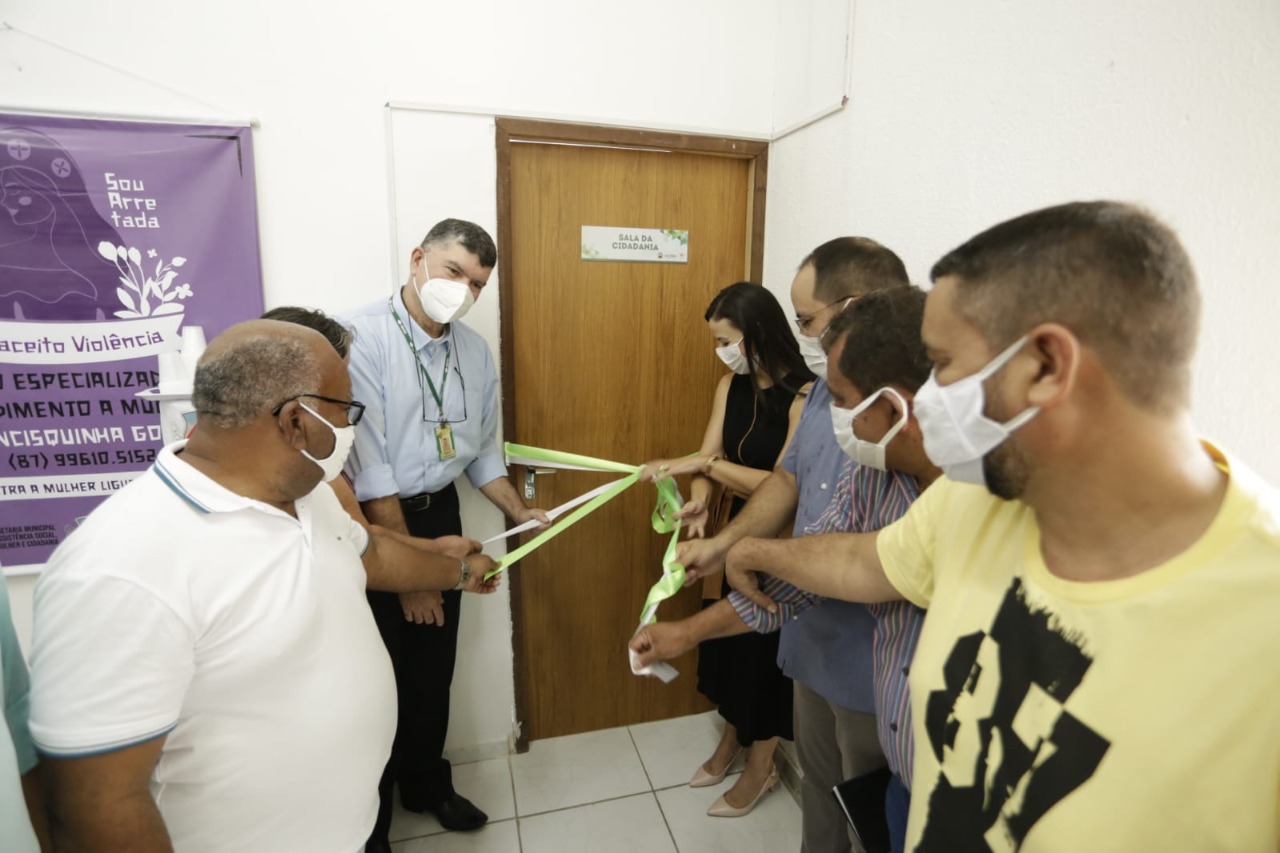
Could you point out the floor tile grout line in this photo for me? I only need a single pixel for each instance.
(515, 804)
(584, 805)
(665, 787)
(640, 756)
(519, 817)
(653, 792)
(646, 790)
(671, 832)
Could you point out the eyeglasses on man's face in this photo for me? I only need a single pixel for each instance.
(355, 409)
(803, 321)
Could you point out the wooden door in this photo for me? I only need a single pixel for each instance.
(614, 360)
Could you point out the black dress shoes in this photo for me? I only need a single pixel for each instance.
(454, 812)
(377, 845)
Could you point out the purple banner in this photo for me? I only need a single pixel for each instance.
(114, 237)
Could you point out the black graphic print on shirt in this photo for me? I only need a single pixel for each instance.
(1008, 748)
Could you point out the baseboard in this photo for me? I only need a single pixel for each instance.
(478, 752)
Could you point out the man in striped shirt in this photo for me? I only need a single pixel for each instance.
(877, 363)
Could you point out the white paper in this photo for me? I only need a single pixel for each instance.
(658, 669)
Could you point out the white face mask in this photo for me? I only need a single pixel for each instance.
(733, 358)
(869, 453)
(957, 435)
(815, 357)
(343, 438)
(445, 300)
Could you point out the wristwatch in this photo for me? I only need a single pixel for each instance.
(711, 463)
(464, 574)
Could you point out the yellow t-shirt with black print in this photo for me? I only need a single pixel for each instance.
(1134, 715)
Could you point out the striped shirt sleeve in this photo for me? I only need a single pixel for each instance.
(791, 601)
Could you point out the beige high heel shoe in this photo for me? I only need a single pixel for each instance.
(703, 779)
(721, 807)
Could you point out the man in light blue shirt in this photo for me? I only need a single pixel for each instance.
(431, 394)
(19, 790)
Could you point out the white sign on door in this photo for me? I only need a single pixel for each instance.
(656, 245)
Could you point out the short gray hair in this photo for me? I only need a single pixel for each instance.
(251, 377)
(469, 235)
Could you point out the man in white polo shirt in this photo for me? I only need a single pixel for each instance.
(206, 673)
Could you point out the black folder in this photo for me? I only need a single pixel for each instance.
(862, 799)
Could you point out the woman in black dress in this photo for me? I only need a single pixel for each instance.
(754, 414)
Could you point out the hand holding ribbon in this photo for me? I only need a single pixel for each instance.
(665, 519)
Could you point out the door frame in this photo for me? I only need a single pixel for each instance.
(508, 130)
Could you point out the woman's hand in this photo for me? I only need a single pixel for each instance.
(658, 469)
(694, 514)
(654, 470)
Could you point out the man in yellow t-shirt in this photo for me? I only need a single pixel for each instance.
(1098, 669)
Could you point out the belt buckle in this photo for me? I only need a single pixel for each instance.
(419, 502)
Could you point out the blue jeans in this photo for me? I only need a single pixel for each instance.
(897, 804)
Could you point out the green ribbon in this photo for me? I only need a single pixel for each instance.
(562, 525)
(672, 580)
(557, 457)
(662, 519)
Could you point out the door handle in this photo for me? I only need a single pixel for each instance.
(531, 481)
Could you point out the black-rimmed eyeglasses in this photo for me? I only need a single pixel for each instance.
(355, 409)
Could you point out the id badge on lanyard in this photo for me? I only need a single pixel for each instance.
(445, 448)
(444, 442)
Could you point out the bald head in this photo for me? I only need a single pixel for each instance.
(253, 366)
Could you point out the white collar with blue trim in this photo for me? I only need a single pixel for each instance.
(198, 489)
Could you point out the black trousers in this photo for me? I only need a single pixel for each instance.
(423, 658)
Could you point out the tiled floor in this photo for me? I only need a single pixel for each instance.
(612, 791)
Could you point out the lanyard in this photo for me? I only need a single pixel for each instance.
(438, 396)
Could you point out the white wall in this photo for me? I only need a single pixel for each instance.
(811, 62)
(460, 177)
(317, 76)
(965, 114)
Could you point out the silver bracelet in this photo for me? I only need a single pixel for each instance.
(464, 574)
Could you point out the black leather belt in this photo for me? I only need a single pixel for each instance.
(416, 503)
